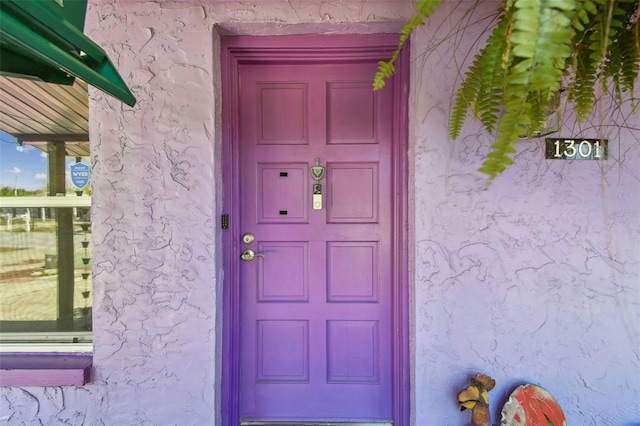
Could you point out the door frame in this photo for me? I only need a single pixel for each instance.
(237, 50)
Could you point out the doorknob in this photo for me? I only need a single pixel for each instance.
(248, 255)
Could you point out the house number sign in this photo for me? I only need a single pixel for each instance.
(576, 149)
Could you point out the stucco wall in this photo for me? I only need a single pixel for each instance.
(156, 207)
(155, 256)
(534, 279)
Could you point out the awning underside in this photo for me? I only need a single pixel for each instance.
(36, 113)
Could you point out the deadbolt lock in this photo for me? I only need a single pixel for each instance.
(248, 238)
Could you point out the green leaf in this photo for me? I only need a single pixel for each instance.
(483, 87)
(424, 9)
(541, 44)
(537, 48)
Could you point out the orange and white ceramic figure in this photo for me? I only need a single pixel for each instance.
(531, 405)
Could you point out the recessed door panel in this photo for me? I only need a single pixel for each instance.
(352, 190)
(283, 274)
(283, 348)
(352, 351)
(283, 193)
(352, 271)
(281, 113)
(351, 113)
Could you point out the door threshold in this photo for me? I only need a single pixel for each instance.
(316, 423)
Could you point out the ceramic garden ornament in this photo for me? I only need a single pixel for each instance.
(475, 397)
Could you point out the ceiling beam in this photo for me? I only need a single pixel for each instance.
(52, 137)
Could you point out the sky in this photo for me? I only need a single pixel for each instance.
(26, 169)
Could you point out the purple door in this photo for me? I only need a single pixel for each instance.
(316, 300)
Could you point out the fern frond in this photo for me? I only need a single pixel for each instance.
(493, 68)
(629, 58)
(584, 67)
(583, 77)
(483, 86)
(466, 95)
(535, 45)
(607, 51)
(541, 43)
(582, 90)
(620, 64)
(539, 104)
(424, 9)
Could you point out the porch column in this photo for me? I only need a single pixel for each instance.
(64, 220)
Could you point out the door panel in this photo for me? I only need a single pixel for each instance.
(283, 191)
(315, 307)
(352, 192)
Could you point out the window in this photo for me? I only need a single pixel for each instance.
(45, 246)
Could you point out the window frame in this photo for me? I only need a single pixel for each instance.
(58, 358)
(46, 341)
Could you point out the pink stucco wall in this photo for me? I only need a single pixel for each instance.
(534, 279)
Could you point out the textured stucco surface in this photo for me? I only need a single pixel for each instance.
(534, 279)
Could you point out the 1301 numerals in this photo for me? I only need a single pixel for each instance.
(576, 149)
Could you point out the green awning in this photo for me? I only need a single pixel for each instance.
(44, 40)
